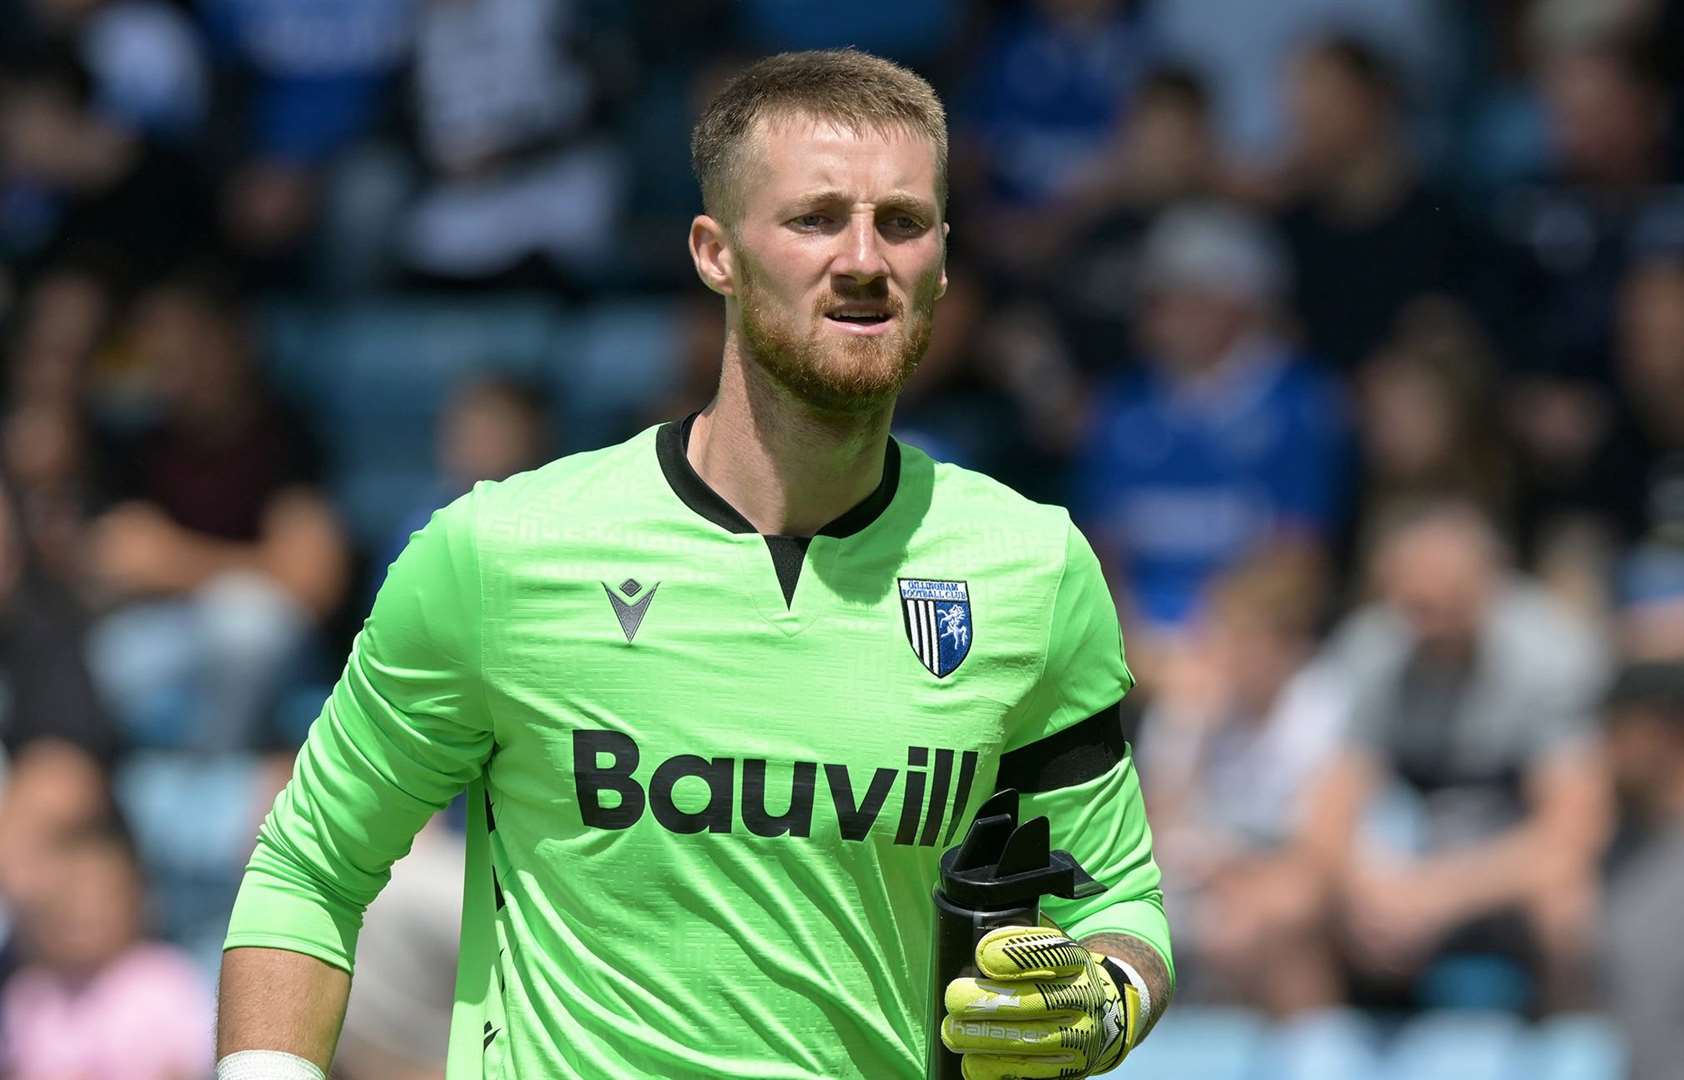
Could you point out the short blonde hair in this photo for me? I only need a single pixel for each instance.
(852, 89)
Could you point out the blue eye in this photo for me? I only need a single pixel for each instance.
(812, 221)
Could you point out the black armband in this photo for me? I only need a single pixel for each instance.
(1081, 752)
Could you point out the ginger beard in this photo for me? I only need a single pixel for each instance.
(836, 372)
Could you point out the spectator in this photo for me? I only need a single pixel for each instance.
(1052, 86)
(310, 80)
(1471, 694)
(1645, 969)
(50, 790)
(1226, 443)
(1367, 236)
(71, 180)
(97, 998)
(1564, 25)
(61, 322)
(701, 337)
(45, 449)
(1607, 111)
(1167, 155)
(1667, 32)
(1603, 469)
(1243, 48)
(1650, 617)
(913, 33)
(956, 407)
(492, 428)
(46, 691)
(1499, 137)
(48, 461)
(147, 63)
(1425, 400)
(1648, 427)
(221, 546)
(1237, 728)
(518, 183)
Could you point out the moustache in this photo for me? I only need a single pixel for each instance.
(888, 303)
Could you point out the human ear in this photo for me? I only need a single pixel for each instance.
(941, 285)
(710, 250)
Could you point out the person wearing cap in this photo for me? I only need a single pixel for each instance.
(1224, 441)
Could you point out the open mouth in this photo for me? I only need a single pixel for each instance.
(859, 318)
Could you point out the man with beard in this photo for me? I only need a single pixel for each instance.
(722, 694)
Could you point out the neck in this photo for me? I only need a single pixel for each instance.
(1370, 184)
(787, 468)
(227, 421)
(1211, 369)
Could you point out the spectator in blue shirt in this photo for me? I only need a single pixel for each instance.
(1035, 126)
(1225, 442)
(1050, 94)
(311, 78)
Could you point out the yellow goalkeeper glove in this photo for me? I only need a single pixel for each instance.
(1046, 1007)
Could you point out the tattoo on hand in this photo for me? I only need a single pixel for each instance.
(1145, 960)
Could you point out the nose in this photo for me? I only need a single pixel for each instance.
(861, 258)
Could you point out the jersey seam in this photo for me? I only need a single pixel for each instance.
(1016, 715)
(478, 680)
(1052, 609)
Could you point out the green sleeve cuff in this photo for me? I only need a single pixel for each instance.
(275, 912)
(1143, 919)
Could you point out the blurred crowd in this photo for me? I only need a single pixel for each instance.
(1351, 331)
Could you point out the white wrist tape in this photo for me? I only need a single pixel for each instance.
(266, 1065)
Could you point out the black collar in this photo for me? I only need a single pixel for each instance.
(673, 439)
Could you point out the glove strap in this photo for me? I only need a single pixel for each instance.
(1126, 971)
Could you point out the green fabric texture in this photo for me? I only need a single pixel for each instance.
(707, 850)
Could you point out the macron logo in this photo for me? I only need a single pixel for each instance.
(630, 614)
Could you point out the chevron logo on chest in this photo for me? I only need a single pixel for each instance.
(630, 612)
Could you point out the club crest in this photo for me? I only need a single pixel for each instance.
(938, 622)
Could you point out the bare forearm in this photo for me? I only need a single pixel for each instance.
(1144, 959)
(1505, 872)
(1485, 877)
(1558, 843)
(307, 567)
(301, 549)
(272, 999)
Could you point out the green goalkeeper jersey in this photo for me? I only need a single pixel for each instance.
(710, 772)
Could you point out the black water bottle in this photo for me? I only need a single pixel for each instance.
(995, 877)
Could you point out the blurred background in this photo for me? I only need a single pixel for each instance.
(1352, 332)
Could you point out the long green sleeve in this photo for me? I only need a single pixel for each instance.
(403, 732)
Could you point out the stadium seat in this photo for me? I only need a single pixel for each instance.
(373, 378)
(1211, 1044)
(193, 820)
(1336, 1044)
(1571, 1048)
(1456, 1046)
(623, 358)
(1196, 1043)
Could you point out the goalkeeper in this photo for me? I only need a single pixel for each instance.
(721, 694)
